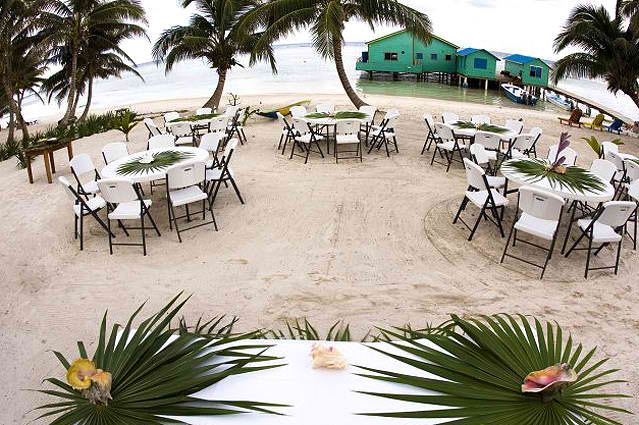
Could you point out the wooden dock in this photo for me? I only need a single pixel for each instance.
(590, 103)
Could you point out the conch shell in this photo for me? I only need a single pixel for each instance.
(327, 358)
(94, 384)
(549, 379)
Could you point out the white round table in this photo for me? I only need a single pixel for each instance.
(111, 170)
(470, 133)
(589, 196)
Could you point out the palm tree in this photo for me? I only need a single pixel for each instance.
(72, 24)
(213, 35)
(327, 20)
(610, 48)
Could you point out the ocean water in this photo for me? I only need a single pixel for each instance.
(300, 70)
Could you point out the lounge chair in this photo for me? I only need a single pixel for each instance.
(575, 116)
(596, 124)
(616, 126)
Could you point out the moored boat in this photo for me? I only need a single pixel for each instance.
(518, 95)
(557, 100)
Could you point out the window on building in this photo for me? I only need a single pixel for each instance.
(535, 71)
(433, 56)
(392, 56)
(481, 63)
(419, 56)
(449, 57)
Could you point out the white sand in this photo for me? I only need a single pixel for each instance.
(369, 243)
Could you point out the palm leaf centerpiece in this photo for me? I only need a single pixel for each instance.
(193, 118)
(480, 127)
(480, 368)
(158, 161)
(342, 115)
(137, 376)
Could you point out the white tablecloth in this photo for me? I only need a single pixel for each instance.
(566, 193)
(318, 396)
(111, 170)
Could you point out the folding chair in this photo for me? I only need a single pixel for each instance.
(114, 151)
(431, 136)
(369, 121)
(480, 119)
(608, 147)
(124, 202)
(520, 147)
(569, 154)
(448, 146)
(483, 196)
(305, 139)
(606, 227)
(632, 175)
(480, 157)
(298, 111)
(620, 177)
(222, 174)
(536, 132)
(165, 141)
(168, 117)
(325, 108)
(219, 125)
(184, 134)
(347, 133)
(538, 214)
(153, 129)
(235, 127)
(491, 143)
(515, 126)
(449, 118)
(185, 185)
(288, 132)
(83, 208)
(211, 142)
(383, 133)
(82, 165)
(633, 195)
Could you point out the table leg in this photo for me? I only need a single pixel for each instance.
(52, 162)
(70, 150)
(29, 170)
(47, 166)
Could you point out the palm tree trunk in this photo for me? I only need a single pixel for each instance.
(73, 83)
(12, 127)
(15, 109)
(339, 64)
(20, 118)
(89, 97)
(214, 101)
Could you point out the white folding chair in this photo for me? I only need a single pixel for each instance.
(231, 110)
(520, 147)
(153, 129)
(632, 175)
(288, 132)
(125, 202)
(185, 185)
(606, 227)
(490, 141)
(347, 134)
(235, 127)
(325, 108)
(184, 134)
(369, 121)
(449, 118)
(204, 111)
(484, 197)
(620, 176)
(633, 195)
(82, 208)
(305, 138)
(81, 165)
(480, 157)
(448, 146)
(539, 214)
(608, 147)
(430, 136)
(603, 169)
(168, 117)
(536, 132)
(165, 141)
(480, 119)
(385, 132)
(515, 126)
(569, 155)
(222, 174)
(211, 142)
(219, 124)
(114, 151)
(298, 111)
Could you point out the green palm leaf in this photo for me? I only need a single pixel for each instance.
(481, 127)
(576, 179)
(342, 115)
(480, 366)
(156, 371)
(161, 161)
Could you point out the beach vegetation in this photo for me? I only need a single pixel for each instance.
(608, 47)
(500, 369)
(327, 20)
(214, 34)
(125, 121)
(597, 147)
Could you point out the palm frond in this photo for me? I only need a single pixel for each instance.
(575, 179)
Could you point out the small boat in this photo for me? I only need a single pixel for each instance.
(559, 101)
(519, 95)
(285, 110)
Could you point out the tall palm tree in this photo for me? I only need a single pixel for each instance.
(213, 35)
(74, 23)
(327, 20)
(610, 49)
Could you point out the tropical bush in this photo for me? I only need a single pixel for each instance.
(137, 375)
(125, 120)
(482, 366)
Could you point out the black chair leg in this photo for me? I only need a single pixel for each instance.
(110, 237)
(237, 191)
(481, 214)
(510, 235)
(618, 256)
(153, 223)
(81, 230)
(143, 233)
(588, 257)
(462, 207)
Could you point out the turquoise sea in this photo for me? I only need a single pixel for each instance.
(301, 70)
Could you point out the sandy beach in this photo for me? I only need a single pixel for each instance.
(371, 243)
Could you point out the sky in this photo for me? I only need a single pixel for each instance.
(513, 26)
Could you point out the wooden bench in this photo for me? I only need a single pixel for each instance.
(575, 116)
(47, 150)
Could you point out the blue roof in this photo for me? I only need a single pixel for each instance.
(467, 51)
(519, 58)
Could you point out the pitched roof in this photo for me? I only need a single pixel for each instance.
(470, 50)
(403, 31)
(523, 59)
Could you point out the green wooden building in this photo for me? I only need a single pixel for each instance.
(477, 63)
(532, 71)
(401, 52)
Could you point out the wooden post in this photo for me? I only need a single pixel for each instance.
(486, 85)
